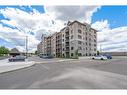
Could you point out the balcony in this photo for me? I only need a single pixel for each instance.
(67, 34)
(67, 45)
(67, 40)
(67, 50)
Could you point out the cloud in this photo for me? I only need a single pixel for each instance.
(25, 24)
(65, 13)
(111, 39)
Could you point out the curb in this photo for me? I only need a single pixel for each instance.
(59, 61)
(13, 67)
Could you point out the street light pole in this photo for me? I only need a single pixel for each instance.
(26, 46)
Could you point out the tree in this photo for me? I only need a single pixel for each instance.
(4, 50)
(76, 54)
(98, 52)
(36, 52)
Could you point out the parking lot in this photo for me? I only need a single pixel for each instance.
(83, 73)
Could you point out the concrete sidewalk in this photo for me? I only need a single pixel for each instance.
(6, 66)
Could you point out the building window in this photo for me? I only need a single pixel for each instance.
(89, 44)
(95, 45)
(89, 39)
(94, 40)
(63, 35)
(86, 48)
(79, 31)
(79, 37)
(86, 38)
(86, 43)
(72, 48)
(63, 40)
(79, 42)
(95, 49)
(71, 54)
(63, 49)
(71, 36)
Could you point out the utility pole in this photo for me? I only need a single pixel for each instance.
(26, 47)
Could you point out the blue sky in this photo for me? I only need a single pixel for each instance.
(114, 16)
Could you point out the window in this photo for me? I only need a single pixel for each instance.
(63, 49)
(79, 37)
(71, 36)
(86, 48)
(89, 44)
(71, 54)
(63, 35)
(79, 42)
(94, 49)
(86, 38)
(63, 40)
(95, 45)
(79, 31)
(72, 48)
(89, 39)
(86, 43)
(94, 40)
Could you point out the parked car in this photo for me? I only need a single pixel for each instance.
(108, 56)
(100, 57)
(17, 58)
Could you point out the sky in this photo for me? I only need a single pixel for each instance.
(17, 22)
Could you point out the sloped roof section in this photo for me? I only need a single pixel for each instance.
(14, 50)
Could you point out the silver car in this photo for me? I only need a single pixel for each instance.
(99, 57)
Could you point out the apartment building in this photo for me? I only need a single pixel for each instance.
(59, 44)
(53, 45)
(76, 38)
(40, 48)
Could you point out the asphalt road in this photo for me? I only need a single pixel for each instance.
(80, 74)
